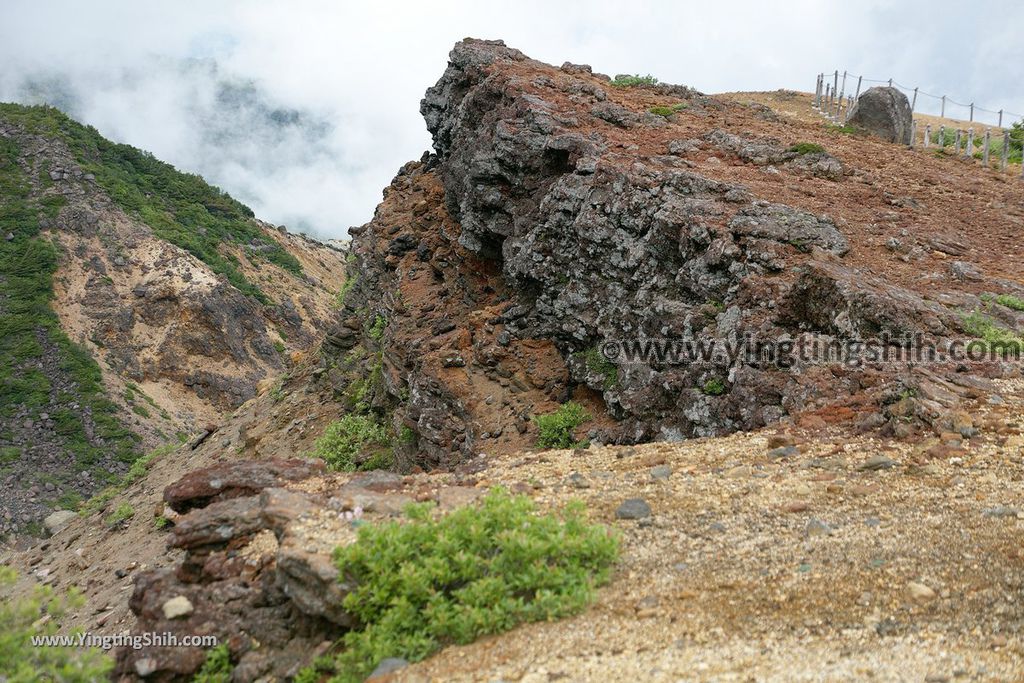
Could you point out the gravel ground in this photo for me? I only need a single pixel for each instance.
(852, 559)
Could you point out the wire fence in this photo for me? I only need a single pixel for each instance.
(839, 88)
(835, 102)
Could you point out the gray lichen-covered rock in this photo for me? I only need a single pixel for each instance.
(883, 112)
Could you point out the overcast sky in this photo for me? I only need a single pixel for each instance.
(326, 94)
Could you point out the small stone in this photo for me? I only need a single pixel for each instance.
(388, 666)
(780, 441)
(799, 506)
(176, 607)
(783, 452)
(936, 678)
(816, 527)
(919, 592)
(1001, 511)
(648, 602)
(661, 472)
(872, 522)
(578, 481)
(56, 521)
(145, 666)
(633, 508)
(875, 463)
(861, 490)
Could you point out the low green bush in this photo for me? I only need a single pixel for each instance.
(24, 617)
(995, 336)
(217, 668)
(1010, 301)
(713, 387)
(123, 512)
(430, 581)
(556, 429)
(628, 81)
(597, 363)
(354, 442)
(802, 148)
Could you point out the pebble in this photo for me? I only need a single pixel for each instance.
(388, 666)
(783, 452)
(875, 463)
(178, 606)
(919, 592)
(578, 481)
(1001, 511)
(816, 527)
(633, 508)
(661, 472)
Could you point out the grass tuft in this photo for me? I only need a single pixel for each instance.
(556, 429)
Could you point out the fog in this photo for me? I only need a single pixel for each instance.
(305, 110)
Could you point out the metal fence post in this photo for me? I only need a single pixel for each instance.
(927, 135)
(956, 143)
(890, 82)
(984, 153)
(913, 132)
(1005, 159)
(913, 102)
(969, 149)
(1000, 118)
(972, 113)
(857, 95)
(942, 137)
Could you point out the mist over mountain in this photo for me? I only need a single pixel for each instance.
(284, 161)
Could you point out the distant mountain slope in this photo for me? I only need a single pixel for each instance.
(136, 301)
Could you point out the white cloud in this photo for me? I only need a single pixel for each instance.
(144, 73)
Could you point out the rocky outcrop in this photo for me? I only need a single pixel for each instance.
(883, 112)
(573, 225)
(257, 568)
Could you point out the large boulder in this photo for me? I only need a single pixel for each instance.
(883, 112)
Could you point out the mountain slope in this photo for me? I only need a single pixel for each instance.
(139, 301)
(855, 511)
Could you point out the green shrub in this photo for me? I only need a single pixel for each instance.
(668, 111)
(141, 411)
(376, 330)
(352, 440)
(37, 615)
(1010, 301)
(556, 429)
(597, 363)
(279, 346)
(845, 130)
(123, 512)
(714, 387)
(432, 581)
(217, 667)
(996, 337)
(802, 148)
(627, 81)
(346, 287)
